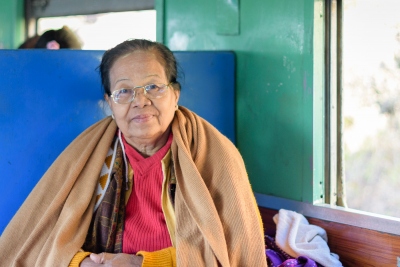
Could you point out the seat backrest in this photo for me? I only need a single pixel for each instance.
(48, 97)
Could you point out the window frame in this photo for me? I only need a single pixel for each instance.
(334, 191)
(35, 9)
(334, 207)
(57, 8)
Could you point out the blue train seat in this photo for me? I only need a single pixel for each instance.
(48, 97)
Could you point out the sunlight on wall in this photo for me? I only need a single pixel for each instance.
(103, 31)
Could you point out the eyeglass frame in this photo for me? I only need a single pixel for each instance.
(134, 92)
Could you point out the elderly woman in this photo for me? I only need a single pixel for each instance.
(152, 185)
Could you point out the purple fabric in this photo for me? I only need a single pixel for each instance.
(276, 257)
(299, 262)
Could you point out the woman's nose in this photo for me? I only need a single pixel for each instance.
(140, 99)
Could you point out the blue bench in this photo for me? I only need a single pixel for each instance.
(48, 97)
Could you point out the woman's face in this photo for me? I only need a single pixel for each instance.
(144, 121)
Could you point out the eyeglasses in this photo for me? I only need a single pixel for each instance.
(151, 91)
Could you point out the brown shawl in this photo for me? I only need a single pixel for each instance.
(216, 214)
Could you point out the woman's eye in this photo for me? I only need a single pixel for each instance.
(124, 91)
(151, 87)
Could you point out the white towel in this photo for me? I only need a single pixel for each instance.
(297, 237)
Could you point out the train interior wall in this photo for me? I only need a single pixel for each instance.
(11, 23)
(273, 41)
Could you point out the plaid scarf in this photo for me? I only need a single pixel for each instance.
(106, 228)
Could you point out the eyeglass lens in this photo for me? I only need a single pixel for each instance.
(127, 95)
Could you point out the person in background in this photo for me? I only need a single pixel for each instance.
(63, 38)
(29, 43)
(59, 39)
(152, 185)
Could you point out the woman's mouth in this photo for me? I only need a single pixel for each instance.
(142, 118)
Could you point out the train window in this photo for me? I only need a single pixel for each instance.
(103, 31)
(368, 100)
(100, 24)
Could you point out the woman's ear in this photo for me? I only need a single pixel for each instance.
(177, 95)
(108, 99)
(109, 102)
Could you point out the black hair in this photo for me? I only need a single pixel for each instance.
(65, 37)
(110, 56)
(29, 43)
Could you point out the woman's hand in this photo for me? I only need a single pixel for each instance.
(110, 260)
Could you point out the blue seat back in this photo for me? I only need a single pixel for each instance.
(49, 97)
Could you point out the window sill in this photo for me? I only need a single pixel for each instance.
(371, 221)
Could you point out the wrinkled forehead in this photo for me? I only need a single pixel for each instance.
(152, 52)
(138, 67)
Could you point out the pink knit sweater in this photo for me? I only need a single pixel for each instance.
(145, 226)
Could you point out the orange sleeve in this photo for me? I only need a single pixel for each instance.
(161, 258)
(78, 258)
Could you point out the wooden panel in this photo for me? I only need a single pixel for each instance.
(360, 247)
(355, 246)
(269, 225)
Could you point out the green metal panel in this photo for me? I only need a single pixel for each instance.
(160, 9)
(228, 17)
(274, 101)
(11, 23)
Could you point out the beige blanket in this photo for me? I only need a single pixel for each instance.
(217, 218)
